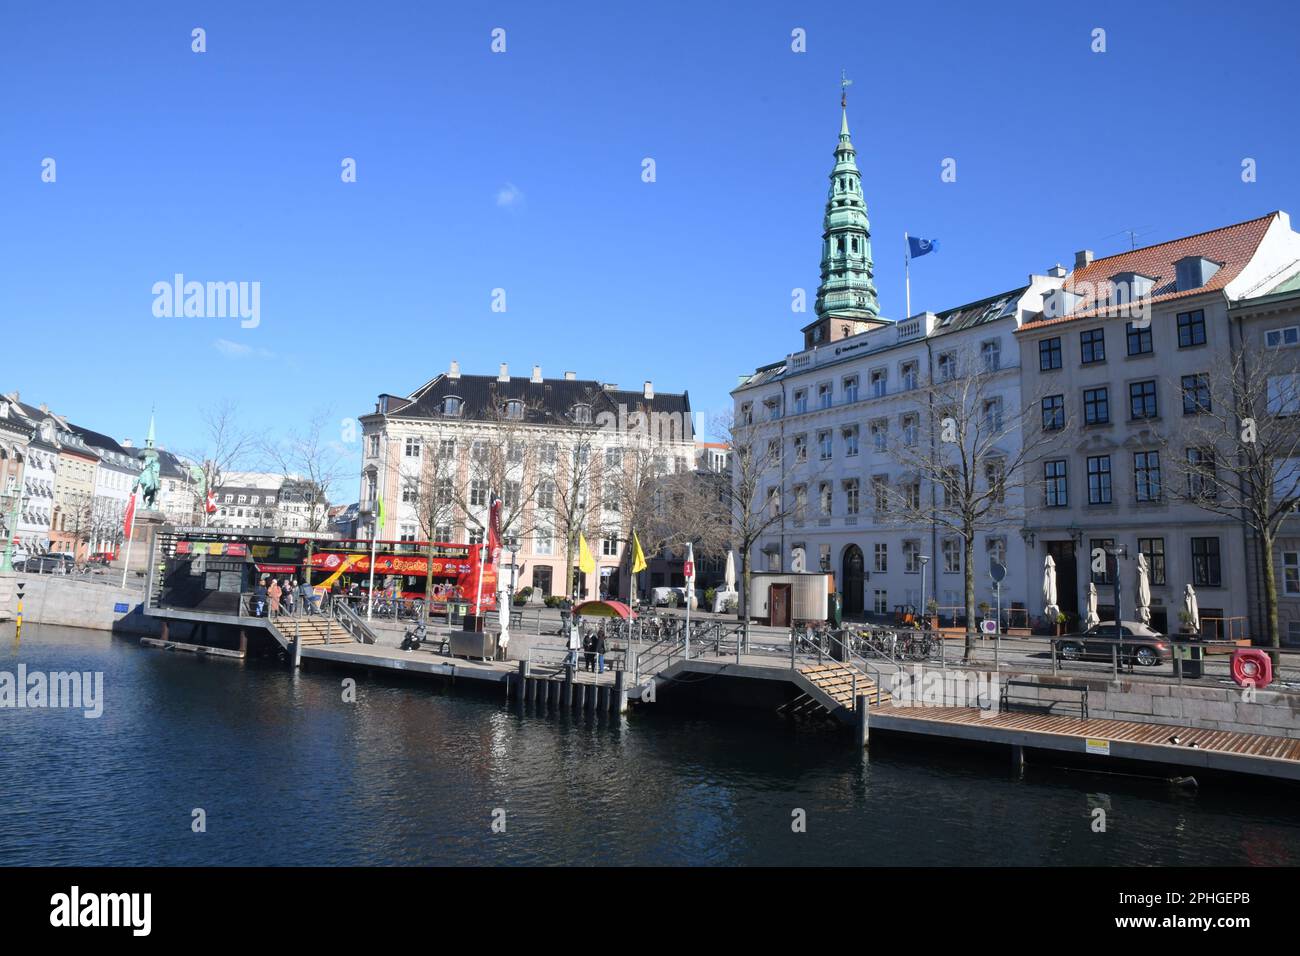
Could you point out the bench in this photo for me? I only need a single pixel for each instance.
(1010, 686)
(516, 619)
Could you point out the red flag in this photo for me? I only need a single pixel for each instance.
(212, 503)
(494, 530)
(129, 519)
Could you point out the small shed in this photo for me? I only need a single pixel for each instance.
(783, 599)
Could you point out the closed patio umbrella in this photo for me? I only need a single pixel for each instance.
(730, 576)
(1193, 612)
(1050, 610)
(1093, 620)
(1143, 590)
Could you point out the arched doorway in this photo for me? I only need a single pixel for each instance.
(852, 587)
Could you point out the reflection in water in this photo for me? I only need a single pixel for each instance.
(288, 773)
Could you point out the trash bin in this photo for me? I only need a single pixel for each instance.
(456, 612)
(836, 615)
(1191, 657)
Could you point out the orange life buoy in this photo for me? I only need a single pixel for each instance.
(1252, 666)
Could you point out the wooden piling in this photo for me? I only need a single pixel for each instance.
(618, 703)
(863, 720)
(580, 703)
(566, 700)
(602, 699)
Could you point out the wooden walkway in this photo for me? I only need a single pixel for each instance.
(1258, 754)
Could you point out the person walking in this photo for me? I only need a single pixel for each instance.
(260, 598)
(306, 598)
(589, 649)
(289, 592)
(602, 647)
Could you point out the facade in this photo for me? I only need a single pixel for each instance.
(248, 500)
(40, 472)
(1118, 357)
(556, 451)
(115, 475)
(179, 497)
(713, 456)
(302, 507)
(15, 439)
(835, 413)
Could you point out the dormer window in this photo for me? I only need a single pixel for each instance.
(452, 406)
(582, 414)
(1192, 272)
(514, 410)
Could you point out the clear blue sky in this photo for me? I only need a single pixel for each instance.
(225, 166)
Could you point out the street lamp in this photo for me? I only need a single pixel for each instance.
(1117, 551)
(514, 569)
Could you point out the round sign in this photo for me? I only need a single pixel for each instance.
(997, 570)
(990, 627)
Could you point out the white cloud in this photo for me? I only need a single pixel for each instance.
(235, 350)
(509, 196)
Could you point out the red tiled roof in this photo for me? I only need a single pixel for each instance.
(1232, 246)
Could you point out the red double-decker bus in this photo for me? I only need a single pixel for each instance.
(403, 568)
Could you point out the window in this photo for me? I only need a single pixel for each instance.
(947, 367)
(800, 503)
(879, 382)
(912, 495)
(800, 449)
(880, 434)
(478, 451)
(911, 556)
(1291, 572)
(452, 406)
(996, 548)
(909, 370)
(1202, 474)
(609, 545)
(951, 556)
(1092, 346)
(609, 499)
(515, 452)
(993, 415)
(1206, 572)
(1146, 475)
(824, 395)
(1154, 551)
(1055, 492)
(1053, 413)
(851, 495)
(1108, 562)
(406, 532)
(510, 497)
(542, 541)
(1142, 400)
(747, 413)
(995, 476)
(1191, 328)
(880, 492)
(447, 448)
(1284, 394)
(825, 445)
(1282, 338)
(546, 495)
(851, 388)
(1096, 406)
(478, 493)
(475, 535)
(372, 446)
(444, 492)
(1196, 393)
(850, 434)
(881, 557)
(412, 448)
(613, 459)
(1139, 338)
(514, 410)
(582, 414)
(824, 499)
(1049, 355)
(991, 355)
(801, 401)
(773, 406)
(410, 494)
(1099, 480)
(243, 499)
(911, 427)
(774, 450)
(880, 601)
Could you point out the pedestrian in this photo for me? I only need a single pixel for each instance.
(306, 598)
(602, 647)
(289, 593)
(260, 598)
(273, 597)
(573, 648)
(589, 648)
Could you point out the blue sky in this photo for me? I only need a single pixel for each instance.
(522, 171)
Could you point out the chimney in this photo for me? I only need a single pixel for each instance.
(127, 443)
(45, 409)
(570, 376)
(1057, 271)
(537, 373)
(454, 371)
(648, 390)
(1083, 258)
(504, 374)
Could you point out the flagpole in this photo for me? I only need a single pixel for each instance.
(130, 538)
(907, 274)
(374, 528)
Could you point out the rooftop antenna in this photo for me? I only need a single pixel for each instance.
(1132, 234)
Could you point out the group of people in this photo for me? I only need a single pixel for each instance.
(282, 596)
(595, 646)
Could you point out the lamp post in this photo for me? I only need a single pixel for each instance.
(1117, 551)
(514, 569)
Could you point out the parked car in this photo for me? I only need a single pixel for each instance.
(1141, 644)
(56, 563)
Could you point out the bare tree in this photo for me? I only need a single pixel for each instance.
(313, 464)
(1235, 452)
(431, 493)
(225, 445)
(971, 452)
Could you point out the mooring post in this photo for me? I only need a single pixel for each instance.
(297, 651)
(863, 720)
(243, 641)
(619, 703)
(567, 698)
(1018, 758)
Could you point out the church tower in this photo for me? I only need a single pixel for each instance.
(846, 298)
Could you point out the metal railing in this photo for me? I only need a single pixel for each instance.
(820, 646)
(351, 622)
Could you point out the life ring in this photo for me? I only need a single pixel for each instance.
(1252, 666)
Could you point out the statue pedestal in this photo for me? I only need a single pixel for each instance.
(147, 524)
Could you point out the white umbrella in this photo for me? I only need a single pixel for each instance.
(730, 576)
(1050, 610)
(1143, 590)
(1193, 612)
(1092, 620)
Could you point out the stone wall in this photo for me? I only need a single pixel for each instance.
(68, 602)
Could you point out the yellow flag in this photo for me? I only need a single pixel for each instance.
(638, 556)
(586, 563)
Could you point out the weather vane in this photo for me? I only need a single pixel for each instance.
(845, 83)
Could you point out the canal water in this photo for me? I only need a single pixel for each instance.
(286, 772)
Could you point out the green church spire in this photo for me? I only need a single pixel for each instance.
(847, 291)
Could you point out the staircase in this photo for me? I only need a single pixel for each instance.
(829, 688)
(314, 629)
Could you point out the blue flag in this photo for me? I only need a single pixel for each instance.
(920, 247)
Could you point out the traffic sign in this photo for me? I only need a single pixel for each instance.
(997, 570)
